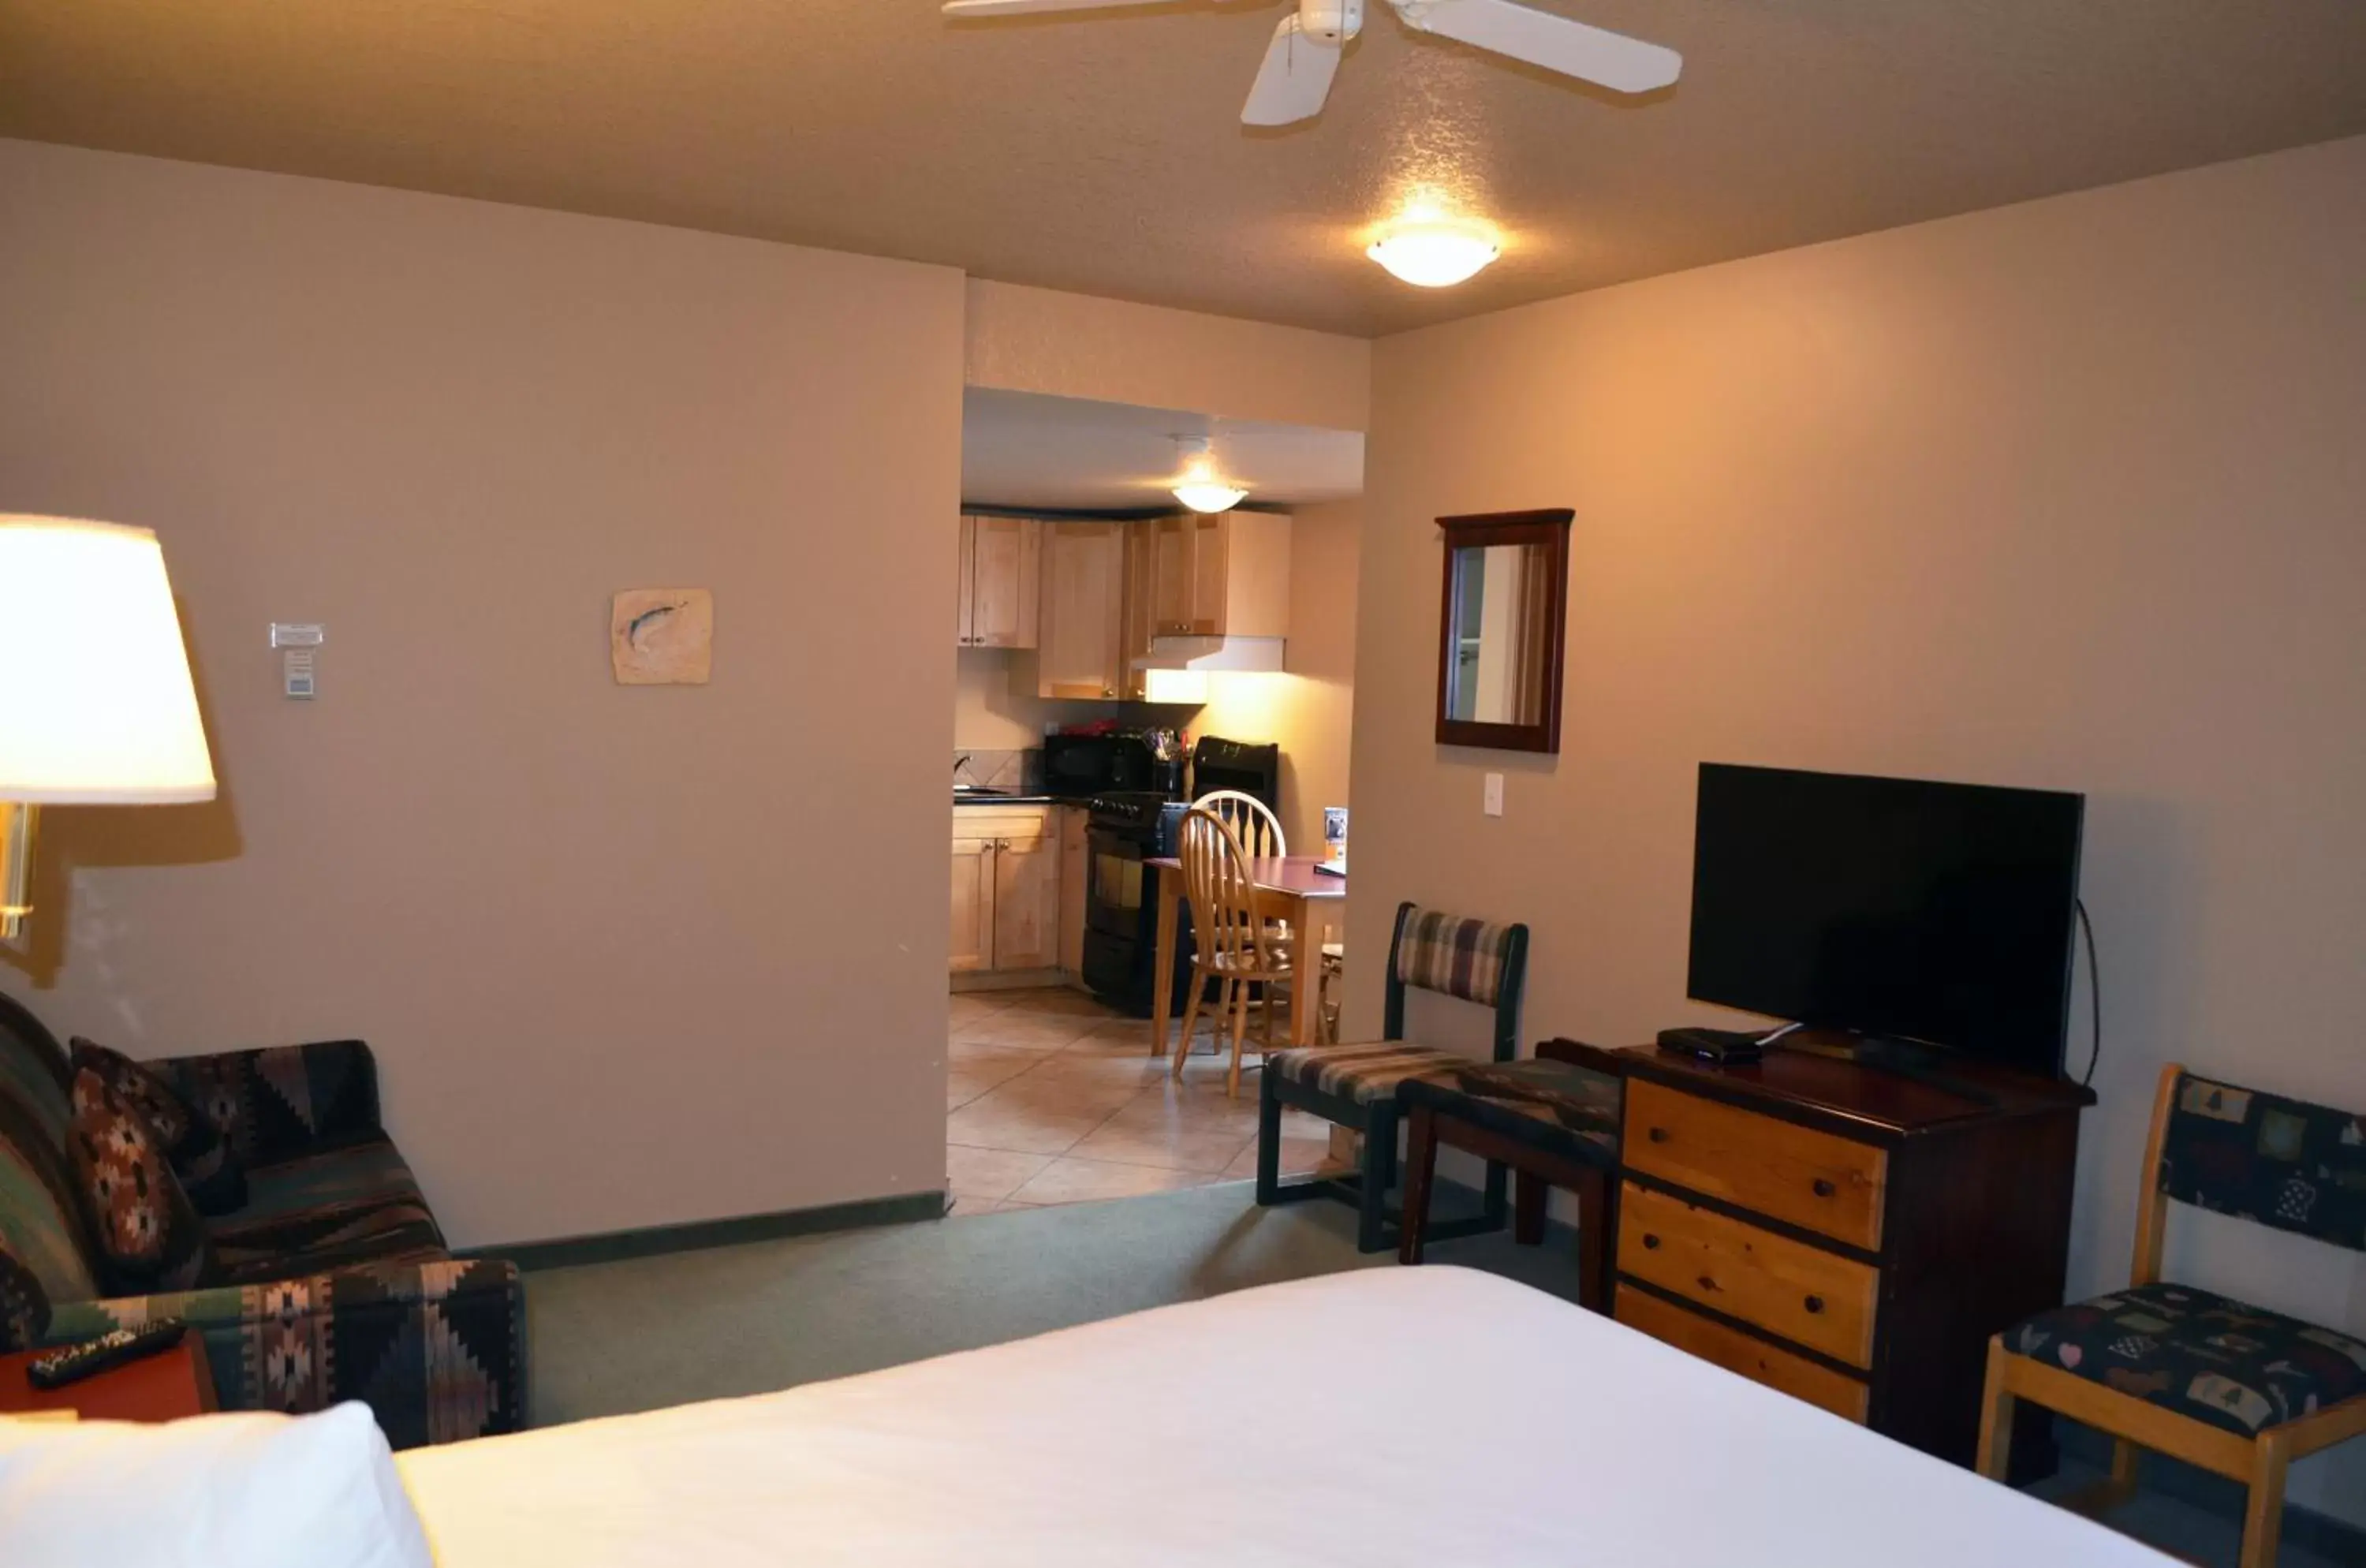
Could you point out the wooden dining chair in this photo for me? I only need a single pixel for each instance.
(1251, 821)
(2214, 1382)
(1239, 946)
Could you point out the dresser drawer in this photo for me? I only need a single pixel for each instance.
(1738, 1353)
(1803, 1293)
(1794, 1174)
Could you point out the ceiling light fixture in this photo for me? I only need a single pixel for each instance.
(1430, 250)
(1201, 488)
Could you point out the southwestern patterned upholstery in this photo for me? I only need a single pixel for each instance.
(24, 1306)
(1355, 1083)
(2260, 1157)
(210, 1172)
(2202, 1355)
(1556, 1106)
(332, 1282)
(149, 1236)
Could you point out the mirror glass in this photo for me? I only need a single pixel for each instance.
(1502, 633)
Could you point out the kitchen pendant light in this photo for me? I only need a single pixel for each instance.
(1201, 488)
(1430, 250)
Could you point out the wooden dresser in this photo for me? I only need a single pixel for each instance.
(1845, 1234)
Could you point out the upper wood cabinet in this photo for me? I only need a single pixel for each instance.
(1082, 648)
(999, 583)
(1225, 574)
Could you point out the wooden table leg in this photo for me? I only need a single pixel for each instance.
(1421, 1164)
(1307, 972)
(1162, 974)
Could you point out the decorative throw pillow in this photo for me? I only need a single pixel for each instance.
(209, 1168)
(24, 1306)
(149, 1237)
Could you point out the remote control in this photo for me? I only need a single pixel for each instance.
(92, 1357)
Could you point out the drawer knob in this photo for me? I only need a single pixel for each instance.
(1815, 1303)
(1824, 1189)
(1650, 1242)
(1706, 1283)
(1658, 1134)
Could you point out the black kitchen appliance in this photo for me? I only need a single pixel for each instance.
(1218, 763)
(1125, 828)
(1113, 762)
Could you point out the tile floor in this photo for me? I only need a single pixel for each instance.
(1052, 1097)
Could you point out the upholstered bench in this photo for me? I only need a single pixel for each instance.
(1553, 1122)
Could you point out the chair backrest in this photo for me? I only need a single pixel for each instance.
(2278, 1162)
(1228, 915)
(1459, 956)
(1255, 825)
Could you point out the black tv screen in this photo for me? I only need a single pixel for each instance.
(1937, 913)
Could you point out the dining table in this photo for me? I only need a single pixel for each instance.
(1297, 890)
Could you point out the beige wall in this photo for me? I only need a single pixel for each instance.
(1074, 346)
(629, 956)
(1307, 709)
(2065, 495)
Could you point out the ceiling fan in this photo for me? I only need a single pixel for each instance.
(1299, 63)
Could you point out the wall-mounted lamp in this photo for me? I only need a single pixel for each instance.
(96, 706)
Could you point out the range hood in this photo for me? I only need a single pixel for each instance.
(1215, 653)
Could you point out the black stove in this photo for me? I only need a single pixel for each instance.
(1135, 811)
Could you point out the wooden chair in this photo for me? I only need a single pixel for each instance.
(2232, 1388)
(1252, 822)
(1355, 1085)
(1239, 946)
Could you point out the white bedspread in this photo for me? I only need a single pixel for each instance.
(1433, 1416)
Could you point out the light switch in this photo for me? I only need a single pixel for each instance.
(1494, 804)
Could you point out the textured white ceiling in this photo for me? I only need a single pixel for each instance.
(1103, 153)
(1022, 449)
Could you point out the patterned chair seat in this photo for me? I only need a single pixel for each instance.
(2202, 1355)
(1550, 1105)
(1366, 1073)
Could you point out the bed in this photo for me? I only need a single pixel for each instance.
(1431, 1417)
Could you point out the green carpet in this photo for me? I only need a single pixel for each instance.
(605, 1338)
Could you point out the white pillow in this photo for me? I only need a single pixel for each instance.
(253, 1490)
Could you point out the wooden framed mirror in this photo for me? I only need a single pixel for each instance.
(1500, 632)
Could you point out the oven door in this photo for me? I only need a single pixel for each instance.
(1115, 884)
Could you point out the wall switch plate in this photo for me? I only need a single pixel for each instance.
(1493, 803)
(298, 634)
(295, 674)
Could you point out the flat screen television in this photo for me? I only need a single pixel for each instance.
(1936, 914)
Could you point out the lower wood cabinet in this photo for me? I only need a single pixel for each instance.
(1006, 890)
(1847, 1235)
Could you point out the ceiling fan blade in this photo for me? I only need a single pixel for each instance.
(1591, 54)
(1295, 78)
(971, 9)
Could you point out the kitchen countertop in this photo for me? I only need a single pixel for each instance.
(981, 798)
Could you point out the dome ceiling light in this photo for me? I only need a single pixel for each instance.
(1201, 487)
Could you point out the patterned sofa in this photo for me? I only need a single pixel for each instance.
(337, 1283)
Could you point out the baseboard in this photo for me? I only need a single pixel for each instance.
(1014, 980)
(2337, 1541)
(614, 1247)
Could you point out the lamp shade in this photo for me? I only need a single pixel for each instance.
(97, 706)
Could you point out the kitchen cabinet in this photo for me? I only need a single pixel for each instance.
(1027, 902)
(1076, 860)
(1006, 891)
(972, 935)
(1224, 574)
(1081, 649)
(1137, 621)
(996, 598)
